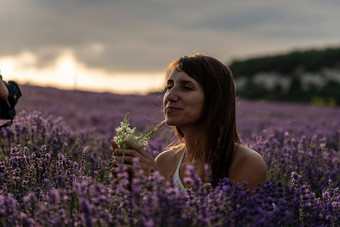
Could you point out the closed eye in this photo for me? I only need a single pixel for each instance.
(168, 87)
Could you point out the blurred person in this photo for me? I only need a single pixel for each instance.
(3, 89)
(200, 105)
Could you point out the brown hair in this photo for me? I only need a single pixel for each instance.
(219, 114)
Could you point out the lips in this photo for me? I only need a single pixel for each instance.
(171, 109)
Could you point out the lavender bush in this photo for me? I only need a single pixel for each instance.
(55, 166)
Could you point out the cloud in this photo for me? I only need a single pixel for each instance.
(145, 35)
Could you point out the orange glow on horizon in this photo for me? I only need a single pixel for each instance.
(68, 73)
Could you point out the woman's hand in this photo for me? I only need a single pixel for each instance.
(126, 157)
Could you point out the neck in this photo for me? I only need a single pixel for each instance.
(192, 137)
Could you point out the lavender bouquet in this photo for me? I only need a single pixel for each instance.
(124, 132)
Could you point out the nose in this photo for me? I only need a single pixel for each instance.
(172, 95)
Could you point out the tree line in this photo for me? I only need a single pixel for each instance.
(313, 75)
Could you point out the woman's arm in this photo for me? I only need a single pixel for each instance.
(126, 158)
(162, 163)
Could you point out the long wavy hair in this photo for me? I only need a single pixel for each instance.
(218, 119)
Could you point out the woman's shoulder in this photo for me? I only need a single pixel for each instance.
(244, 152)
(248, 165)
(172, 153)
(166, 161)
(165, 155)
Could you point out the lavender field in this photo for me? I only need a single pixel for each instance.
(55, 166)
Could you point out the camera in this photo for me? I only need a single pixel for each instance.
(7, 107)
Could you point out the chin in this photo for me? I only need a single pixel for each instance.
(171, 122)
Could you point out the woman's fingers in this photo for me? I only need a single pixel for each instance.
(134, 147)
(137, 148)
(145, 164)
(127, 153)
(125, 160)
(114, 145)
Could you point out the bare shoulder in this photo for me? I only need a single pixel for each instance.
(165, 162)
(248, 165)
(164, 156)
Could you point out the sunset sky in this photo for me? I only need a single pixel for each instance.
(125, 46)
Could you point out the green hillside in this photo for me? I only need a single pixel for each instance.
(307, 60)
(299, 76)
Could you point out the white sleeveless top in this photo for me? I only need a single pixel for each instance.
(176, 178)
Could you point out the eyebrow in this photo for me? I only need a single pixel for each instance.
(183, 81)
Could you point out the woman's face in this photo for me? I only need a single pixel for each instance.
(183, 101)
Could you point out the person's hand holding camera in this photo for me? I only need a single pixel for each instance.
(3, 89)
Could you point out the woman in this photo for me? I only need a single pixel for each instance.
(199, 104)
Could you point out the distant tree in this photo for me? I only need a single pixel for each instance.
(308, 60)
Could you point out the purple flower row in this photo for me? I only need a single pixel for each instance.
(55, 166)
(70, 196)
